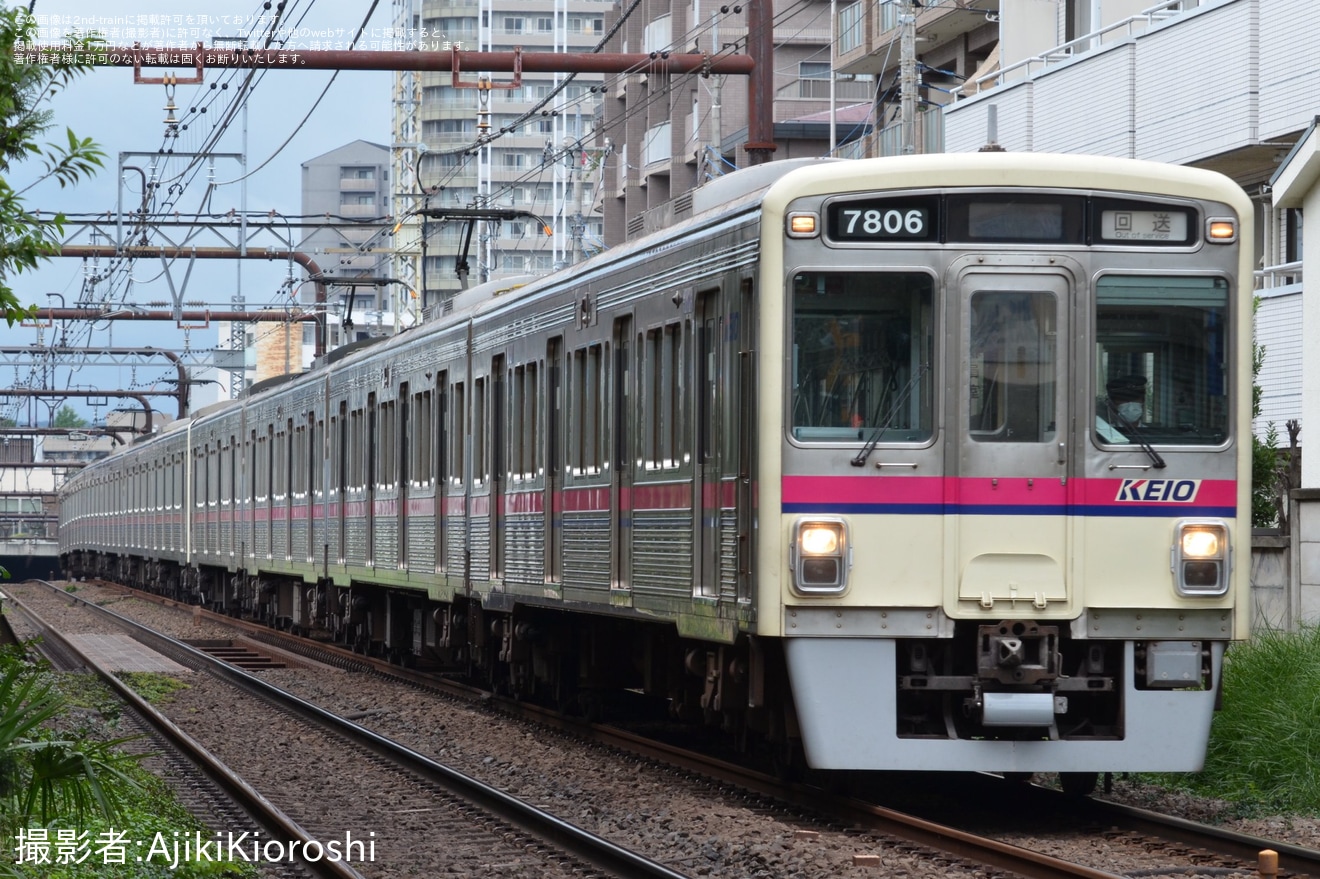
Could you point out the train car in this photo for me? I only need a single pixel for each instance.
(932, 462)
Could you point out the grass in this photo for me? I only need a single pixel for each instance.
(153, 814)
(1264, 752)
(155, 687)
(81, 716)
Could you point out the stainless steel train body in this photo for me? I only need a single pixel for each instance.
(937, 462)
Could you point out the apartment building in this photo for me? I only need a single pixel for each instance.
(662, 135)
(522, 146)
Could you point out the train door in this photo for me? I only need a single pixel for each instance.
(441, 467)
(498, 469)
(621, 480)
(554, 464)
(1011, 492)
(743, 333)
(706, 481)
(404, 479)
(292, 438)
(315, 485)
(370, 460)
(340, 465)
(268, 460)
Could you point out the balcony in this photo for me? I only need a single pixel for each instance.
(875, 37)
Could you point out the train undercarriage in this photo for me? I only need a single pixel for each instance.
(585, 664)
(1016, 680)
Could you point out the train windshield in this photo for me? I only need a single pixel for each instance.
(1160, 354)
(863, 349)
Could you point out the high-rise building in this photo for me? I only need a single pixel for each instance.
(349, 189)
(521, 146)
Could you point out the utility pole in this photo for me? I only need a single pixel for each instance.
(907, 75)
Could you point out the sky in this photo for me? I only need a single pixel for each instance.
(122, 117)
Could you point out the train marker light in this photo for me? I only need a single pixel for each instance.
(1221, 231)
(1201, 558)
(803, 224)
(820, 556)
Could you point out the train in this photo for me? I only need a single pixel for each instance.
(933, 462)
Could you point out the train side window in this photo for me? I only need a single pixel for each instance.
(420, 447)
(662, 397)
(517, 439)
(338, 447)
(576, 386)
(862, 357)
(229, 474)
(651, 354)
(369, 447)
(268, 460)
(672, 426)
(458, 435)
(288, 477)
(298, 457)
(479, 431)
(357, 452)
(275, 448)
(532, 420)
(597, 416)
(441, 415)
(524, 433)
(389, 443)
(315, 451)
(1160, 349)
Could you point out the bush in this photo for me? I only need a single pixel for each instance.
(1263, 744)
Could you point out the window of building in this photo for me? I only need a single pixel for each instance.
(656, 147)
(585, 24)
(850, 28)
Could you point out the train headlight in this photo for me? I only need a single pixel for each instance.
(1201, 558)
(820, 556)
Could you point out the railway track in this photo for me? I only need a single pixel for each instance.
(468, 820)
(887, 829)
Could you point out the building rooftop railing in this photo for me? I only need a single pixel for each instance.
(1128, 27)
(1276, 278)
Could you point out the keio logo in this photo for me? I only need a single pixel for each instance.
(1177, 491)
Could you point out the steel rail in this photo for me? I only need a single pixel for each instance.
(1015, 859)
(265, 813)
(1294, 859)
(567, 837)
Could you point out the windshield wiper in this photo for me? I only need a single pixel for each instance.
(860, 460)
(1134, 430)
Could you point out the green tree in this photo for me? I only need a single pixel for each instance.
(68, 417)
(1264, 452)
(28, 237)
